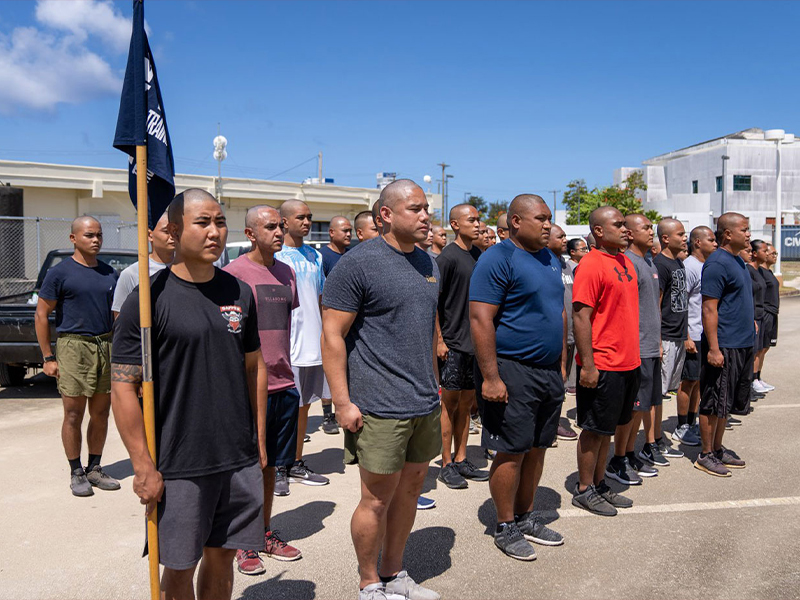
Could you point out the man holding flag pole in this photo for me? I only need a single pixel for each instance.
(201, 373)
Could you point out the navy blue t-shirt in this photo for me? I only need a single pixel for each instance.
(329, 259)
(527, 287)
(725, 277)
(83, 294)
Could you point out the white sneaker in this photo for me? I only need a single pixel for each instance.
(766, 386)
(757, 387)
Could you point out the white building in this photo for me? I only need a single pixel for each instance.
(687, 184)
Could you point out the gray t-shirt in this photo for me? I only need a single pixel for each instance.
(649, 308)
(567, 278)
(128, 280)
(390, 344)
(694, 271)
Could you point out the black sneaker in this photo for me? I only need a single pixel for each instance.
(590, 500)
(651, 454)
(300, 473)
(642, 468)
(618, 469)
(732, 422)
(469, 471)
(612, 497)
(534, 530)
(511, 541)
(329, 424)
(450, 476)
(668, 451)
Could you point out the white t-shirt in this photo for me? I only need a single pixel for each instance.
(306, 319)
(129, 279)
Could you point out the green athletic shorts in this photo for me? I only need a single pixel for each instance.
(384, 446)
(84, 364)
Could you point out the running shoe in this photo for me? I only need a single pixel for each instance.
(651, 454)
(402, 587)
(306, 438)
(733, 422)
(613, 498)
(570, 390)
(729, 458)
(79, 484)
(452, 478)
(476, 420)
(329, 424)
(565, 432)
(300, 473)
(685, 435)
(758, 387)
(618, 469)
(275, 547)
(100, 480)
(424, 503)
(593, 502)
(642, 468)
(766, 386)
(281, 482)
(469, 471)
(249, 563)
(473, 429)
(534, 530)
(511, 541)
(489, 454)
(374, 591)
(710, 464)
(668, 451)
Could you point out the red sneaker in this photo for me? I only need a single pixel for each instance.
(275, 547)
(249, 563)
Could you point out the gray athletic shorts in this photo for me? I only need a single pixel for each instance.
(221, 510)
(311, 383)
(672, 365)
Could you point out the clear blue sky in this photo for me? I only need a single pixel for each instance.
(515, 96)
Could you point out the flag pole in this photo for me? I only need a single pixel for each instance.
(145, 322)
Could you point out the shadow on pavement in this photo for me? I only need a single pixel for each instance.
(325, 462)
(278, 588)
(428, 552)
(431, 483)
(314, 424)
(38, 386)
(303, 521)
(547, 501)
(122, 469)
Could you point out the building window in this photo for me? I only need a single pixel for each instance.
(694, 186)
(719, 183)
(319, 230)
(742, 183)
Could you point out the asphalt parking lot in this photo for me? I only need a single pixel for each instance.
(688, 535)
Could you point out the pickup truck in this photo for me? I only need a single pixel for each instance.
(19, 348)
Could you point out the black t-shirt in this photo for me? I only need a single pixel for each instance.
(329, 259)
(201, 333)
(772, 295)
(759, 291)
(83, 294)
(675, 298)
(455, 270)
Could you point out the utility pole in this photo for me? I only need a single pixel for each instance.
(444, 187)
(319, 167)
(554, 192)
(723, 204)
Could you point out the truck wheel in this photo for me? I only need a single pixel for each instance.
(11, 375)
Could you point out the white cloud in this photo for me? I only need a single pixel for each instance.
(42, 67)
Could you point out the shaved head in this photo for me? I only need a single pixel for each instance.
(460, 209)
(667, 226)
(523, 204)
(397, 191)
(635, 220)
(186, 198)
(601, 215)
(502, 221)
(339, 221)
(728, 221)
(697, 233)
(362, 219)
(437, 229)
(291, 207)
(256, 213)
(80, 222)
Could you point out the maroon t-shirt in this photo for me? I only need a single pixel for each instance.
(275, 291)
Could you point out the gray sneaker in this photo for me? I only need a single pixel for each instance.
(281, 482)
(470, 471)
(651, 454)
(402, 587)
(79, 484)
(592, 501)
(668, 451)
(300, 473)
(613, 498)
(374, 591)
(710, 464)
(99, 479)
(685, 435)
(511, 541)
(534, 530)
(642, 468)
(329, 424)
(729, 458)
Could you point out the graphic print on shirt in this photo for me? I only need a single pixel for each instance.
(274, 305)
(679, 295)
(620, 273)
(233, 315)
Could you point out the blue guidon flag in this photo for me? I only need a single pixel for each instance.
(142, 122)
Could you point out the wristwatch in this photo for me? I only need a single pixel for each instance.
(51, 358)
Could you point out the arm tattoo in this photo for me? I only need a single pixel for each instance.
(126, 373)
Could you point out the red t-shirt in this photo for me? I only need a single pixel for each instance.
(275, 291)
(608, 284)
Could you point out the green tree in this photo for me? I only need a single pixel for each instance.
(496, 209)
(580, 201)
(480, 205)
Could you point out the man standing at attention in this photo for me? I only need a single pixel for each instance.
(340, 232)
(605, 298)
(454, 350)
(482, 242)
(379, 319)
(306, 358)
(365, 226)
(518, 325)
(726, 369)
(274, 289)
(439, 239)
(502, 227)
(80, 289)
(210, 387)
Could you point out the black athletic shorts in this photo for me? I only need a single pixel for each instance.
(457, 372)
(610, 404)
(726, 387)
(221, 510)
(530, 417)
(649, 393)
(758, 337)
(769, 330)
(691, 365)
(283, 409)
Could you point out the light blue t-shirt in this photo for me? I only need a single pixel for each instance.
(528, 289)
